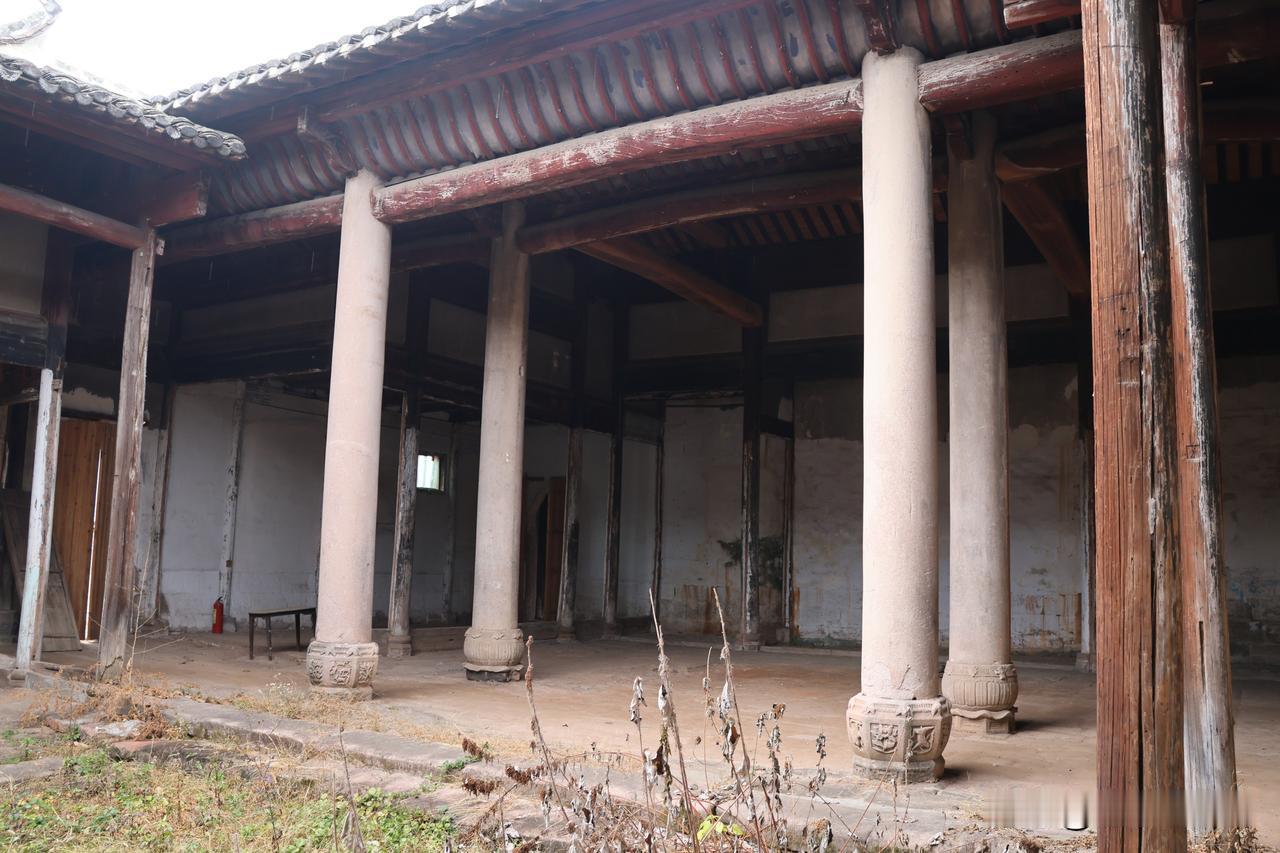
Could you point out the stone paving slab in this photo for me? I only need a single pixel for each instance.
(379, 749)
(25, 771)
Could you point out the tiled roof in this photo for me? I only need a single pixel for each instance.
(443, 24)
(57, 84)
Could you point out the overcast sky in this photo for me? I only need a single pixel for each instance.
(153, 47)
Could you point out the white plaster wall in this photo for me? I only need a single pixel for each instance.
(1249, 400)
(593, 519)
(639, 489)
(191, 549)
(277, 544)
(22, 249)
(701, 509)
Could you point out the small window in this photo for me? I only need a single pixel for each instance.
(431, 472)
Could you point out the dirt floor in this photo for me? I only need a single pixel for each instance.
(583, 691)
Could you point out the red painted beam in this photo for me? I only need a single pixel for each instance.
(254, 229)
(70, 218)
(784, 116)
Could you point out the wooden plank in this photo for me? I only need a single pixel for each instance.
(69, 217)
(1046, 223)
(683, 281)
(1206, 655)
(655, 583)
(118, 617)
(1139, 684)
(80, 517)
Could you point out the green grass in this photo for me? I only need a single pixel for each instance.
(100, 804)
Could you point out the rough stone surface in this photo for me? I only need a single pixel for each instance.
(25, 771)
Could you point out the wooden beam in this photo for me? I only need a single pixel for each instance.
(1028, 13)
(1042, 217)
(254, 229)
(567, 606)
(1051, 151)
(782, 192)
(115, 639)
(399, 639)
(1140, 718)
(176, 198)
(753, 342)
(711, 131)
(683, 281)
(1206, 653)
(70, 218)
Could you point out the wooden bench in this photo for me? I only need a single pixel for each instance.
(267, 615)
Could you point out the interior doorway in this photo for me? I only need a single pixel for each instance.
(541, 548)
(82, 505)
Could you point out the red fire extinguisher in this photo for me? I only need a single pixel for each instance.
(217, 616)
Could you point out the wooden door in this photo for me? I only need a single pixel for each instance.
(554, 550)
(81, 507)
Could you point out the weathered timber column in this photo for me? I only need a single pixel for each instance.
(1210, 757)
(980, 680)
(342, 659)
(40, 526)
(573, 464)
(399, 644)
(899, 722)
(753, 339)
(613, 521)
(1140, 758)
(120, 576)
(494, 644)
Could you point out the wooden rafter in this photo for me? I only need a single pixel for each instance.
(1042, 217)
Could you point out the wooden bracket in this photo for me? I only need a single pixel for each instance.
(882, 31)
(330, 143)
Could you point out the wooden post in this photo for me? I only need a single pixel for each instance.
(573, 464)
(1210, 741)
(232, 501)
(40, 525)
(57, 312)
(613, 528)
(1140, 760)
(120, 576)
(655, 585)
(399, 641)
(752, 377)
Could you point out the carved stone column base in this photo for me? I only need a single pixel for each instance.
(342, 669)
(493, 654)
(900, 737)
(399, 646)
(983, 722)
(981, 690)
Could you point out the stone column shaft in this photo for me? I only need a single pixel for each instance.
(342, 658)
(980, 680)
(899, 722)
(494, 645)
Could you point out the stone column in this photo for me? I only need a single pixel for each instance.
(899, 722)
(494, 645)
(980, 680)
(343, 659)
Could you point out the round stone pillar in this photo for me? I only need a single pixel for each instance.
(980, 680)
(494, 645)
(342, 658)
(899, 722)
